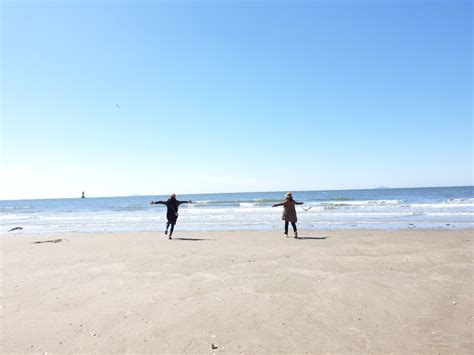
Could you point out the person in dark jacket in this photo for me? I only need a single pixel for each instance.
(289, 212)
(172, 205)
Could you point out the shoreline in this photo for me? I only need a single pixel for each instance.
(363, 291)
(243, 231)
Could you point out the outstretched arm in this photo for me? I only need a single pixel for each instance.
(180, 202)
(278, 204)
(298, 203)
(158, 203)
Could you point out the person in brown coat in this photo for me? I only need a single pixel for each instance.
(289, 212)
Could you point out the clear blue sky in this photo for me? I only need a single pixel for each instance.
(234, 96)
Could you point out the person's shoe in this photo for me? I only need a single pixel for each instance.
(169, 237)
(286, 235)
(296, 235)
(166, 232)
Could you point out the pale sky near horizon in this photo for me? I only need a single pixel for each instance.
(233, 96)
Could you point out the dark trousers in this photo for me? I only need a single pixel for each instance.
(292, 224)
(172, 227)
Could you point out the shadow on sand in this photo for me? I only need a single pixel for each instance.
(191, 239)
(315, 238)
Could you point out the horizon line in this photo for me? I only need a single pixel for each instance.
(239, 192)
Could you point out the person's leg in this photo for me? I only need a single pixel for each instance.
(286, 228)
(167, 226)
(294, 229)
(171, 230)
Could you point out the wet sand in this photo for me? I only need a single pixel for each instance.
(245, 292)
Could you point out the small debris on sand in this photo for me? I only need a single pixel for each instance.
(16, 229)
(49, 241)
(214, 346)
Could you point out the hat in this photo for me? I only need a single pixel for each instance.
(173, 196)
(288, 195)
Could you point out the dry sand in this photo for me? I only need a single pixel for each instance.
(245, 292)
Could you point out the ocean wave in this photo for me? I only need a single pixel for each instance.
(247, 204)
(461, 200)
(130, 208)
(266, 200)
(356, 203)
(244, 203)
(451, 214)
(443, 205)
(13, 217)
(13, 208)
(330, 204)
(202, 202)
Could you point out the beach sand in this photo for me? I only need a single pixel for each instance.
(366, 291)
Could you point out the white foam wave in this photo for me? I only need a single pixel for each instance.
(247, 204)
(461, 200)
(442, 205)
(356, 203)
(10, 217)
(203, 202)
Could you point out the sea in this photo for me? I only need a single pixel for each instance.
(381, 208)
